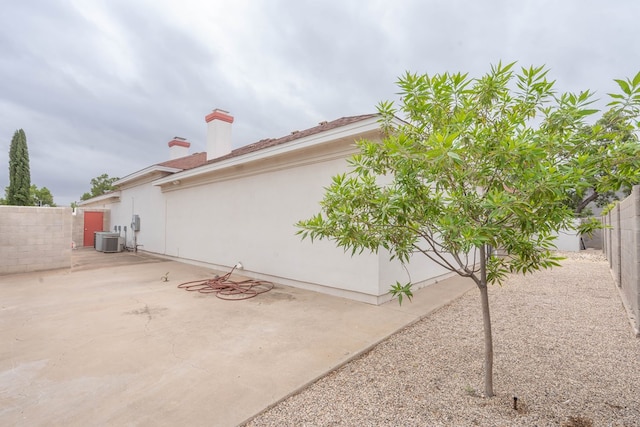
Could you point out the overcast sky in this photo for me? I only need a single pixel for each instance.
(103, 86)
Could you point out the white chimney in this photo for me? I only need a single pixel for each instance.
(218, 133)
(178, 147)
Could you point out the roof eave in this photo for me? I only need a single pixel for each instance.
(101, 198)
(145, 172)
(352, 129)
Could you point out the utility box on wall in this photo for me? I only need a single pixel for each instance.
(135, 223)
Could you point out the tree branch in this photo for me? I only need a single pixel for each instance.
(441, 261)
(583, 204)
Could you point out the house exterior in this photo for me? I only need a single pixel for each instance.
(227, 206)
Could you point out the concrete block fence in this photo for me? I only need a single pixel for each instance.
(621, 243)
(34, 238)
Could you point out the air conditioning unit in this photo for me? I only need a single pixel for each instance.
(108, 242)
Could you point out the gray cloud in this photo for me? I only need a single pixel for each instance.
(103, 86)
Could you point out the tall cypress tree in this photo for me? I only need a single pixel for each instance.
(19, 173)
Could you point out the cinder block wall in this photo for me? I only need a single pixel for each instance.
(622, 248)
(34, 238)
(594, 241)
(612, 242)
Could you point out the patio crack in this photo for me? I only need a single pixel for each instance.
(173, 350)
(148, 312)
(149, 317)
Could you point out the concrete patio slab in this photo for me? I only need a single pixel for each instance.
(115, 345)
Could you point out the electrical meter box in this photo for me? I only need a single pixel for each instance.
(135, 223)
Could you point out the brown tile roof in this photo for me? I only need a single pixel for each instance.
(199, 159)
(271, 142)
(187, 162)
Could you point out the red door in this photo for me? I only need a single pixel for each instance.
(92, 223)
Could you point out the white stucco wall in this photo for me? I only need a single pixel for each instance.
(251, 219)
(245, 211)
(148, 202)
(420, 270)
(568, 240)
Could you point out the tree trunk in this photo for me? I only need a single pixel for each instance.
(486, 321)
(584, 202)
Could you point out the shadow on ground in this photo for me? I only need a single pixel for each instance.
(90, 259)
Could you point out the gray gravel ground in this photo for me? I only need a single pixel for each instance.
(563, 345)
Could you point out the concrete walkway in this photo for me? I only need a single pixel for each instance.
(117, 346)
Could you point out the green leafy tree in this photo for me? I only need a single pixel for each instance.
(41, 196)
(612, 145)
(19, 173)
(100, 185)
(475, 178)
